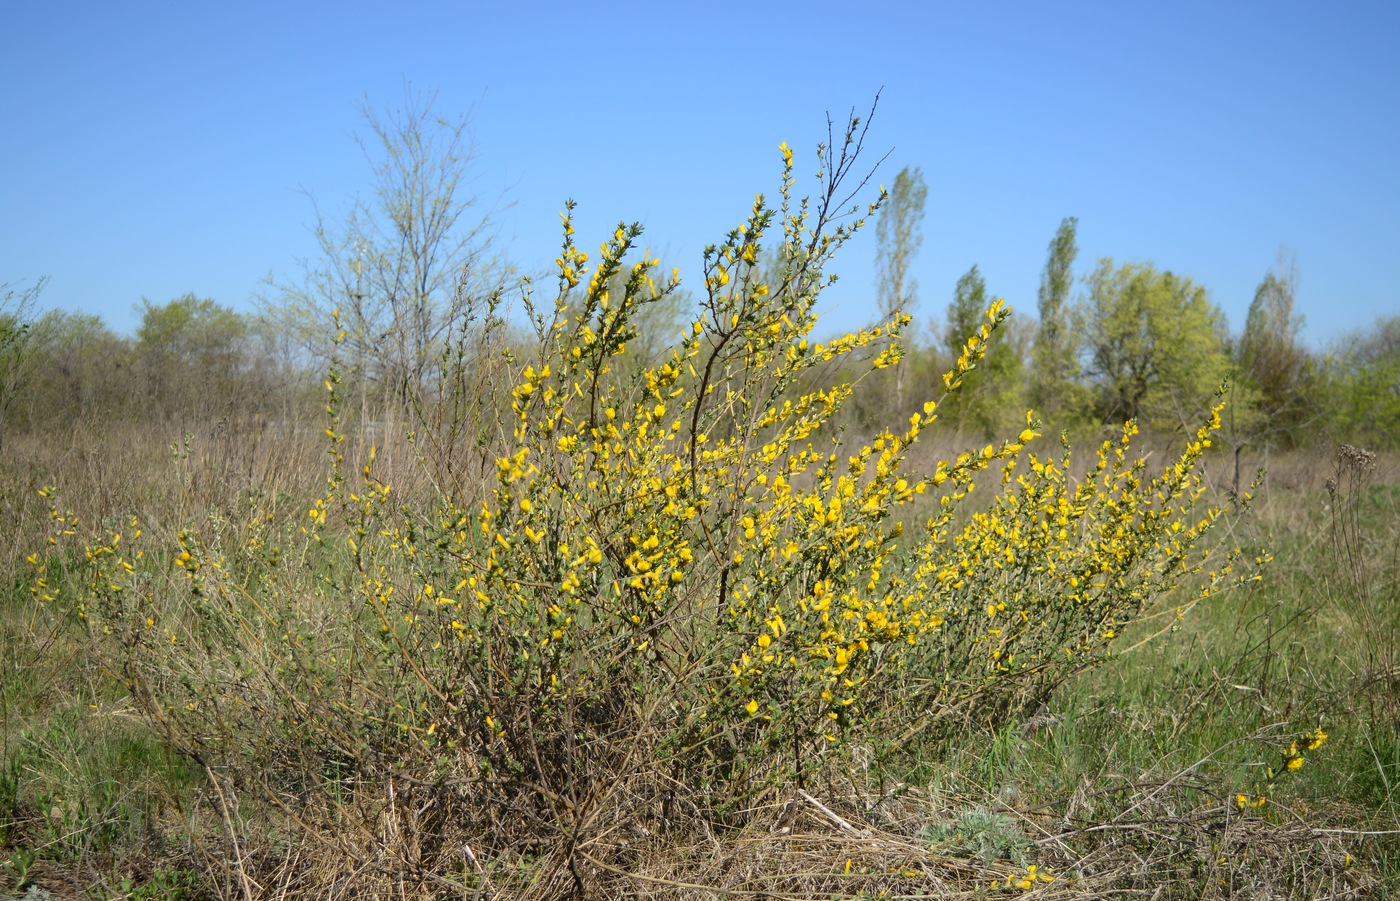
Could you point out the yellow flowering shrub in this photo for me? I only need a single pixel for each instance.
(681, 593)
(1042, 583)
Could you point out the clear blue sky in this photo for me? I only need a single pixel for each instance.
(153, 149)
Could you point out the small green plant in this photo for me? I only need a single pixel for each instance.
(18, 863)
(11, 776)
(164, 884)
(979, 832)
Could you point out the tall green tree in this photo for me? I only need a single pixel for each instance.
(1271, 360)
(1054, 355)
(898, 235)
(191, 352)
(965, 312)
(1155, 348)
(985, 403)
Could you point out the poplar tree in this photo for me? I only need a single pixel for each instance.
(898, 234)
(965, 312)
(986, 401)
(1054, 353)
(1270, 357)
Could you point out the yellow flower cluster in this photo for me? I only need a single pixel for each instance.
(1042, 582)
(1026, 881)
(1291, 760)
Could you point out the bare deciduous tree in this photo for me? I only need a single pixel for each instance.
(406, 269)
(16, 330)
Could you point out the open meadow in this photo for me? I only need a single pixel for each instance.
(1147, 776)
(589, 587)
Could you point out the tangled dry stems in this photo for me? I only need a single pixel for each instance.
(1171, 839)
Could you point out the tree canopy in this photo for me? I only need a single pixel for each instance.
(1154, 346)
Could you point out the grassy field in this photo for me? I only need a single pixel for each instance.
(1161, 774)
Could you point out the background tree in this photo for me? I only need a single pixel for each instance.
(191, 352)
(80, 369)
(1270, 357)
(985, 403)
(1056, 367)
(1154, 345)
(965, 312)
(1363, 386)
(898, 234)
(409, 267)
(16, 333)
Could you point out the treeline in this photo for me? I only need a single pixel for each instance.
(191, 362)
(1131, 341)
(1136, 342)
(410, 287)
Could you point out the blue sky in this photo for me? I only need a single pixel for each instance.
(154, 149)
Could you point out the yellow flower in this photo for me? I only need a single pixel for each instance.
(752, 708)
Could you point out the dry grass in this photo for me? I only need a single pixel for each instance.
(1167, 832)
